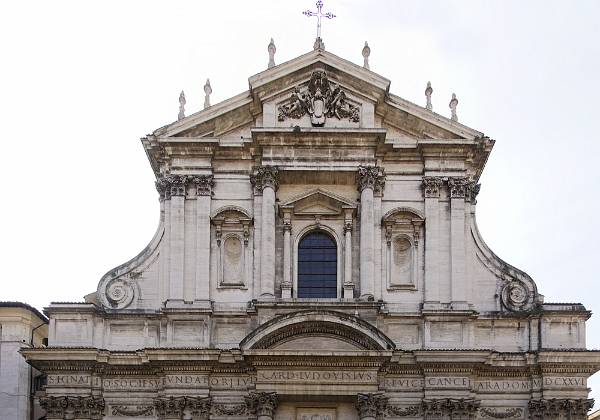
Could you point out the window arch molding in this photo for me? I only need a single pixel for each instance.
(339, 256)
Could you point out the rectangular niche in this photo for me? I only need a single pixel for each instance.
(403, 255)
(233, 250)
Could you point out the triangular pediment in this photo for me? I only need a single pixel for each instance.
(317, 202)
(363, 90)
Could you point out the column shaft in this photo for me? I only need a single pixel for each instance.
(202, 280)
(367, 268)
(267, 283)
(177, 248)
(348, 291)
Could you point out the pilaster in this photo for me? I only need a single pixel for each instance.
(457, 187)
(348, 285)
(265, 182)
(203, 188)
(431, 192)
(286, 286)
(369, 180)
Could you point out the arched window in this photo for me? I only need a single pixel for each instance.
(317, 266)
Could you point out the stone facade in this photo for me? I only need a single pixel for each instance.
(20, 326)
(420, 320)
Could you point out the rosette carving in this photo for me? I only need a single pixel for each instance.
(517, 296)
(370, 177)
(119, 293)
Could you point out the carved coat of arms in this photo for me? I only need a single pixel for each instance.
(321, 99)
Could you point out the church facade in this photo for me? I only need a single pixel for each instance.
(317, 258)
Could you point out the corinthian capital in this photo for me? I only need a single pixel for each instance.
(370, 177)
(204, 184)
(171, 185)
(266, 176)
(262, 403)
(431, 186)
(457, 187)
(472, 190)
(80, 406)
(371, 405)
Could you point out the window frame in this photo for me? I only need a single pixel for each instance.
(334, 236)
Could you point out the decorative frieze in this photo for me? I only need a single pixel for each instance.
(77, 406)
(321, 99)
(575, 409)
(230, 409)
(431, 186)
(457, 187)
(372, 177)
(132, 411)
(501, 413)
(262, 403)
(403, 410)
(177, 185)
(266, 176)
(371, 405)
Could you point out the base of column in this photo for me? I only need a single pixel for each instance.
(348, 291)
(286, 291)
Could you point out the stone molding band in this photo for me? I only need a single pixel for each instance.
(264, 404)
(458, 187)
(178, 185)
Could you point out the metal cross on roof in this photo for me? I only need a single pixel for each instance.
(319, 14)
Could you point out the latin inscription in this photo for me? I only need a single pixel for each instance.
(316, 376)
(191, 381)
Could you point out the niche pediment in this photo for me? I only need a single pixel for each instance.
(317, 202)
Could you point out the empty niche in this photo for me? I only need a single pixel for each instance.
(233, 261)
(402, 261)
(402, 232)
(232, 240)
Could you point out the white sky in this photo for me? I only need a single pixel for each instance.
(82, 81)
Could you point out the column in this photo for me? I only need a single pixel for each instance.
(204, 189)
(164, 196)
(457, 187)
(265, 181)
(368, 178)
(177, 185)
(348, 283)
(263, 404)
(371, 406)
(431, 191)
(286, 285)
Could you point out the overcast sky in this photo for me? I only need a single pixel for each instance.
(82, 81)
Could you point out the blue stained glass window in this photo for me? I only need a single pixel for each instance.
(317, 266)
